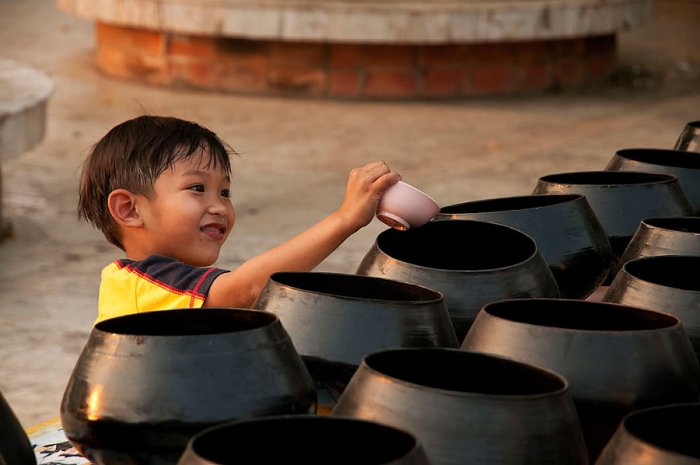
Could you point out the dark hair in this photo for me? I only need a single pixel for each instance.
(133, 154)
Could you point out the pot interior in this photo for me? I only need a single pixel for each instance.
(509, 203)
(689, 224)
(673, 427)
(677, 271)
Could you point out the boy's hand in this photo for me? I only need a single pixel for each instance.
(365, 187)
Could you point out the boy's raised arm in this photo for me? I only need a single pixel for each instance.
(304, 252)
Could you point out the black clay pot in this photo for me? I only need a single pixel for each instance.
(15, 448)
(146, 383)
(309, 440)
(676, 235)
(616, 358)
(468, 407)
(665, 435)
(689, 138)
(665, 283)
(335, 319)
(469, 262)
(621, 199)
(683, 165)
(568, 235)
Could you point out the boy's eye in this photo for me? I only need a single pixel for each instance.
(226, 193)
(197, 187)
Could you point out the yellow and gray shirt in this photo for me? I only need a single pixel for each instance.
(155, 283)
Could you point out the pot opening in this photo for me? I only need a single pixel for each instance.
(458, 245)
(579, 315)
(689, 224)
(662, 157)
(606, 178)
(671, 427)
(187, 322)
(509, 203)
(677, 271)
(358, 287)
(304, 439)
(464, 371)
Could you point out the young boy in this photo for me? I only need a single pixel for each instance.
(159, 189)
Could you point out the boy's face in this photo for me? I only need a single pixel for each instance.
(190, 214)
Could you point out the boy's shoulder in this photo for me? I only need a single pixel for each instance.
(161, 270)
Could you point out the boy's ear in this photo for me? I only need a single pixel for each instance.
(122, 207)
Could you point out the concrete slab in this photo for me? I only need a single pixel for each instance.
(295, 156)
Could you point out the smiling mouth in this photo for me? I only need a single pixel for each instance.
(215, 231)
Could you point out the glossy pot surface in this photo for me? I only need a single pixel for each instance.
(664, 435)
(616, 358)
(675, 235)
(621, 199)
(15, 448)
(665, 283)
(335, 319)
(685, 166)
(145, 383)
(304, 439)
(689, 138)
(468, 407)
(469, 262)
(568, 234)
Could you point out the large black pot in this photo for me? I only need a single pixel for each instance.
(568, 234)
(685, 166)
(664, 435)
(469, 262)
(15, 448)
(335, 319)
(469, 407)
(304, 439)
(144, 384)
(616, 358)
(621, 199)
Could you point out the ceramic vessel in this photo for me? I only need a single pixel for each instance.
(616, 358)
(676, 235)
(403, 206)
(664, 435)
(689, 138)
(665, 283)
(335, 319)
(144, 384)
(683, 165)
(15, 448)
(468, 407)
(304, 439)
(469, 262)
(621, 199)
(568, 234)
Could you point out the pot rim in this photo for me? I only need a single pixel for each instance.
(554, 201)
(653, 178)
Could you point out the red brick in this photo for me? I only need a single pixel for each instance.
(298, 54)
(567, 48)
(535, 77)
(441, 55)
(492, 79)
(346, 83)
(195, 73)
(389, 56)
(567, 73)
(531, 52)
(130, 38)
(492, 53)
(601, 44)
(133, 64)
(598, 68)
(243, 79)
(443, 82)
(192, 46)
(300, 80)
(380, 83)
(346, 55)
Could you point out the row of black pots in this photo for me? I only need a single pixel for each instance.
(532, 380)
(15, 448)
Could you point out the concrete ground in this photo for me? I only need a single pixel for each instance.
(295, 156)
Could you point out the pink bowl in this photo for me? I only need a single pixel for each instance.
(403, 207)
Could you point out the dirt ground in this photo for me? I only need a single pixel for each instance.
(295, 156)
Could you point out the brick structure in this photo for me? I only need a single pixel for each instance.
(496, 52)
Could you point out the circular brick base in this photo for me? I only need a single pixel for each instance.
(355, 71)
